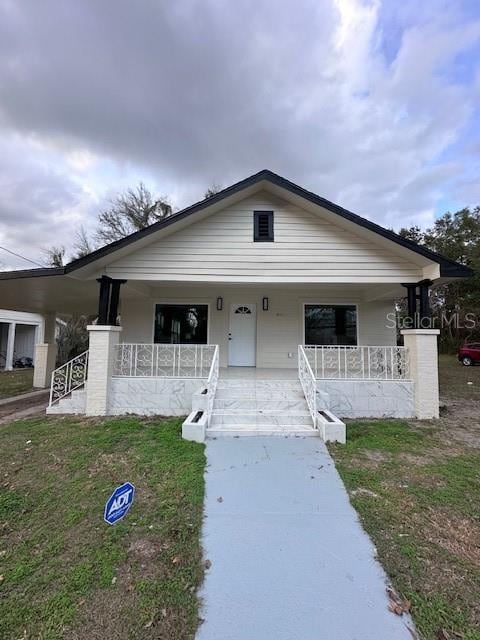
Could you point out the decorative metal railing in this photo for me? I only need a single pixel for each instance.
(68, 377)
(163, 360)
(308, 382)
(359, 363)
(212, 383)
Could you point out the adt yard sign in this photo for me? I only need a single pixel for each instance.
(119, 503)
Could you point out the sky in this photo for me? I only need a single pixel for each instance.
(373, 104)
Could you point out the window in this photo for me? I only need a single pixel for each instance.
(181, 323)
(263, 226)
(330, 324)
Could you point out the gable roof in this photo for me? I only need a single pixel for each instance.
(448, 268)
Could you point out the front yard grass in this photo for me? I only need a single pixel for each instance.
(65, 573)
(14, 382)
(416, 487)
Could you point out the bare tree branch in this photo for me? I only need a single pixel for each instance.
(212, 190)
(54, 256)
(83, 245)
(129, 212)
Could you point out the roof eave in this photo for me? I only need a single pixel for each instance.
(455, 270)
(41, 272)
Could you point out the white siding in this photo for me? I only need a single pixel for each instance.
(307, 248)
(279, 330)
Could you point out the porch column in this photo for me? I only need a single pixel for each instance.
(45, 357)
(422, 347)
(108, 299)
(103, 340)
(10, 346)
(418, 304)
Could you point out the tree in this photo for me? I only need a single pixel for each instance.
(72, 338)
(54, 256)
(456, 236)
(131, 211)
(212, 190)
(83, 245)
(413, 233)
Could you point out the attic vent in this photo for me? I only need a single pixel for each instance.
(263, 226)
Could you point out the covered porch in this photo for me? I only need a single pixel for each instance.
(161, 348)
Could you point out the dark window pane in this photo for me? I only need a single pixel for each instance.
(330, 324)
(181, 323)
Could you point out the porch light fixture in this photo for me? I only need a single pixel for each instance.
(265, 304)
(219, 303)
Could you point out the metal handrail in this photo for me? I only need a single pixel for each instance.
(212, 383)
(68, 377)
(308, 382)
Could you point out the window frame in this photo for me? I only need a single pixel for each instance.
(181, 302)
(271, 231)
(333, 304)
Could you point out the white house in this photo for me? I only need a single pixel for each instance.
(263, 309)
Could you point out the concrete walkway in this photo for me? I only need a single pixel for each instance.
(23, 406)
(289, 559)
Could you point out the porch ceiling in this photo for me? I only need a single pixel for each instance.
(54, 293)
(66, 295)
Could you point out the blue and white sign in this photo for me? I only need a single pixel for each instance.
(119, 503)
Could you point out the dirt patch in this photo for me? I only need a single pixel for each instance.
(457, 535)
(361, 491)
(144, 548)
(108, 462)
(22, 407)
(105, 616)
(374, 455)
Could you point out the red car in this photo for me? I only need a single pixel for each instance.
(469, 354)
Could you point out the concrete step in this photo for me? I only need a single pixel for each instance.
(256, 404)
(72, 404)
(268, 385)
(267, 420)
(255, 430)
(260, 394)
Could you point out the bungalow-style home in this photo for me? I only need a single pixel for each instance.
(264, 309)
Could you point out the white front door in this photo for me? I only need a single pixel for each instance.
(242, 335)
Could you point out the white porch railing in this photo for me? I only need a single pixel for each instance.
(308, 382)
(212, 383)
(68, 377)
(164, 360)
(359, 362)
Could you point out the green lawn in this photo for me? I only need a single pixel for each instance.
(455, 379)
(65, 573)
(14, 382)
(416, 487)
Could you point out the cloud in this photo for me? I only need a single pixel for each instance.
(39, 203)
(358, 100)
